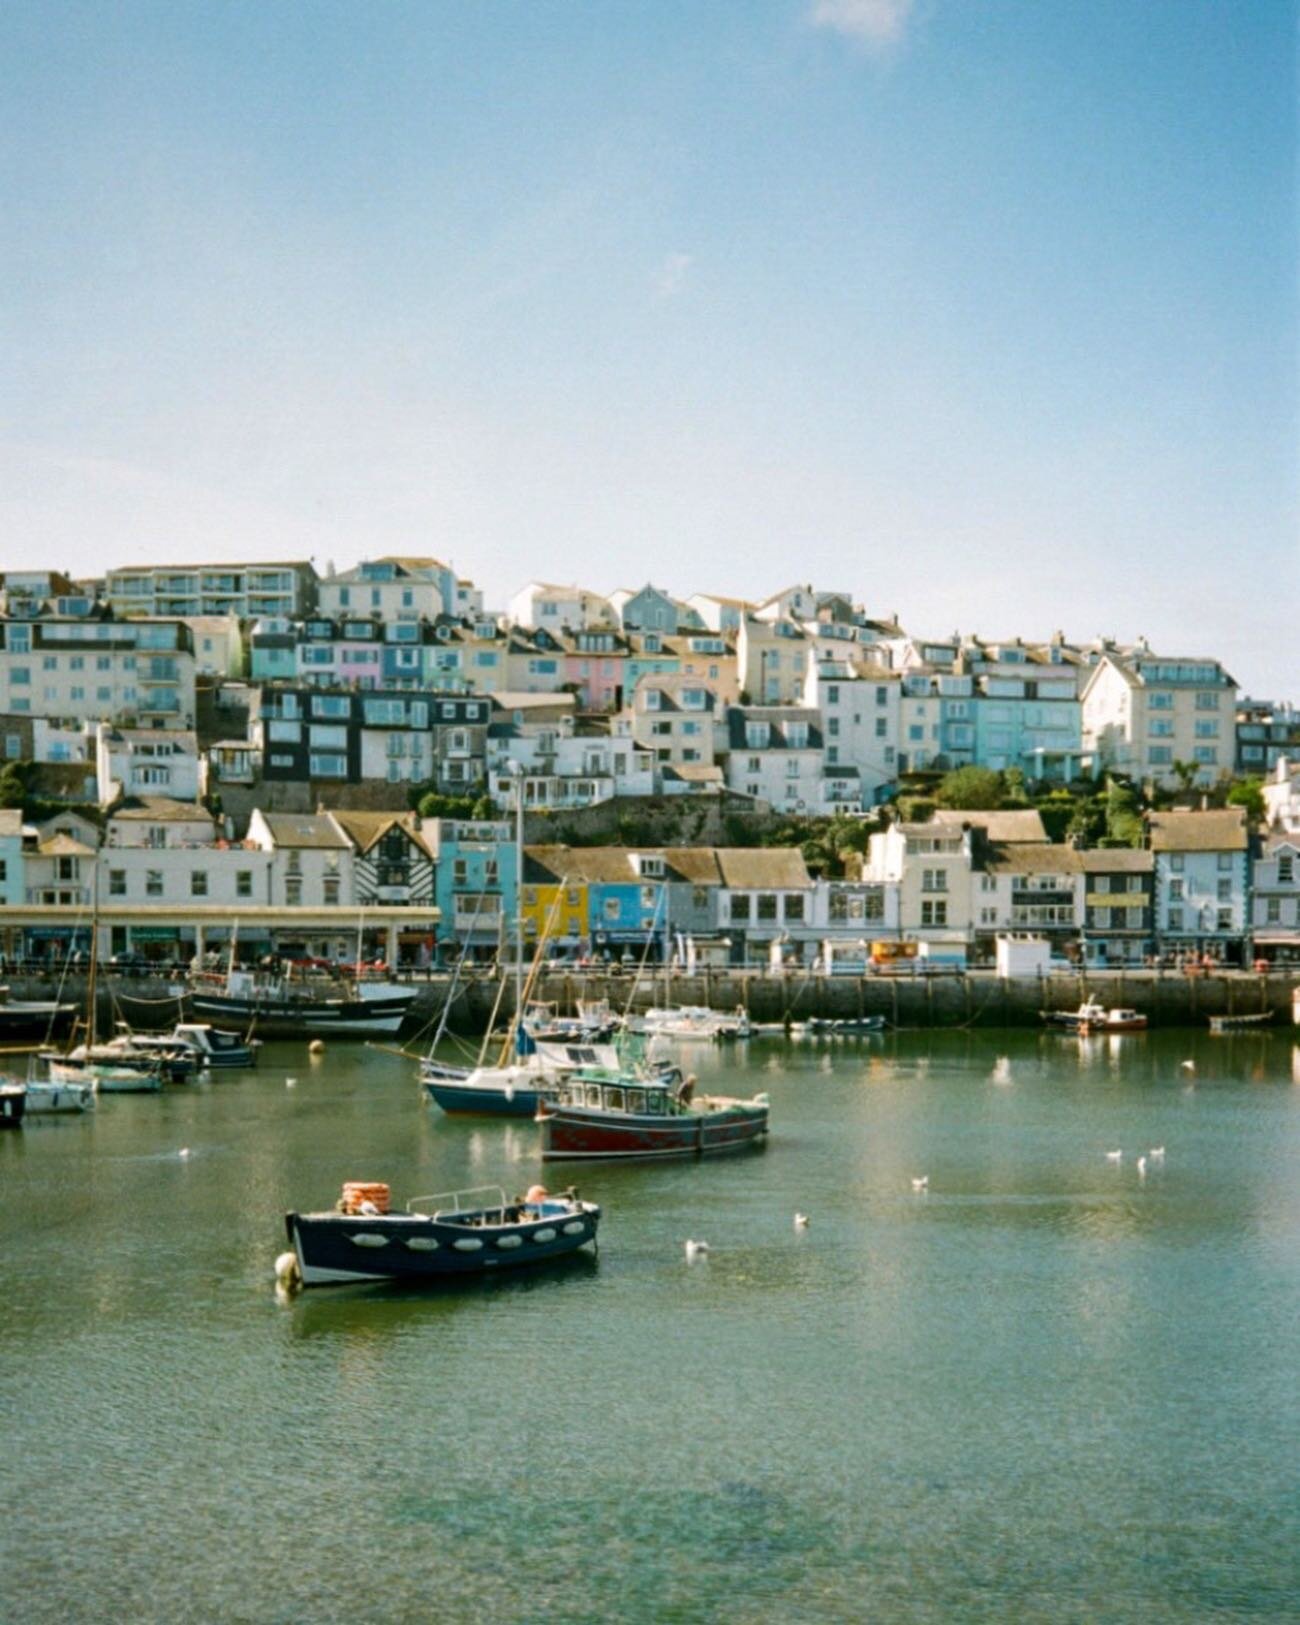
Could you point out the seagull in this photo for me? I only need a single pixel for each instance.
(694, 1249)
(183, 1152)
(921, 1184)
(289, 1082)
(1114, 1156)
(1142, 1167)
(801, 1221)
(1157, 1153)
(1188, 1066)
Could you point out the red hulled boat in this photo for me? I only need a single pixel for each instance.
(599, 1117)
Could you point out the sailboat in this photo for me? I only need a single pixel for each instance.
(106, 1068)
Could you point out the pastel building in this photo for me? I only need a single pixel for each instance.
(393, 589)
(1143, 712)
(1202, 881)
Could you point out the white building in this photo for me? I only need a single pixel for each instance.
(860, 707)
(92, 669)
(312, 858)
(1202, 879)
(146, 762)
(394, 589)
(1144, 712)
(930, 865)
(243, 590)
(544, 606)
(158, 822)
(774, 754)
(1282, 796)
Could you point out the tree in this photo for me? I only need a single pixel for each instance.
(1123, 815)
(13, 785)
(1185, 773)
(970, 789)
(1248, 793)
(1014, 790)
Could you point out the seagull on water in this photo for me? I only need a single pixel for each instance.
(922, 1183)
(694, 1249)
(1157, 1153)
(1188, 1066)
(1114, 1156)
(1142, 1167)
(183, 1152)
(801, 1221)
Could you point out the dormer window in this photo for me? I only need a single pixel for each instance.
(653, 699)
(756, 735)
(796, 735)
(653, 643)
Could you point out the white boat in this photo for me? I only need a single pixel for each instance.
(45, 1095)
(102, 1076)
(695, 1021)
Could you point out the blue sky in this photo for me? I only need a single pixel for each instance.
(984, 310)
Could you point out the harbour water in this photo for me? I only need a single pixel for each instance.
(1047, 1388)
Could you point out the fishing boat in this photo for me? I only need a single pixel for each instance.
(287, 1007)
(455, 1233)
(594, 1117)
(31, 1018)
(13, 1104)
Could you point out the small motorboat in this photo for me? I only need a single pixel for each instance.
(203, 1046)
(455, 1233)
(599, 1117)
(13, 1103)
(44, 1096)
(1118, 1020)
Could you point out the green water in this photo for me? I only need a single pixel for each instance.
(1045, 1390)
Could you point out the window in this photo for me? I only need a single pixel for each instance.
(882, 696)
(611, 908)
(1161, 727)
(117, 882)
(882, 725)
(794, 910)
(20, 676)
(1273, 911)
(1205, 754)
(1224, 860)
(293, 889)
(833, 694)
(198, 882)
(1176, 862)
(1175, 919)
(1207, 702)
(1225, 919)
(767, 905)
(934, 880)
(153, 883)
(1224, 893)
(1160, 702)
(740, 907)
(1207, 729)
(1285, 869)
(1176, 889)
(243, 883)
(327, 766)
(934, 912)
(1160, 755)
(331, 890)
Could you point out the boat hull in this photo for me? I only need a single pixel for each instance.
(353, 1018)
(334, 1248)
(13, 1104)
(48, 1097)
(576, 1133)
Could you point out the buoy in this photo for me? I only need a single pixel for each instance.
(801, 1221)
(287, 1272)
(316, 1047)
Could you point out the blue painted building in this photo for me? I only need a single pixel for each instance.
(11, 857)
(476, 884)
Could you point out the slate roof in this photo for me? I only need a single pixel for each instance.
(160, 810)
(748, 868)
(1010, 824)
(1027, 858)
(1217, 830)
(305, 830)
(1101, 860)
(365, 828)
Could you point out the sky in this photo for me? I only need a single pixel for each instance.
(983, 311)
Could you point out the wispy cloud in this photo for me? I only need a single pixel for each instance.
(671, 274)
(877, 23)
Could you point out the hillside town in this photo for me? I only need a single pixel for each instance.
(367, 764)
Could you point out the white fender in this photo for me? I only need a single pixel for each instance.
(422, 1244)
(510, 1241)
(575, 1227)
(548, 1234)
(368, 1238)
(468, 1245)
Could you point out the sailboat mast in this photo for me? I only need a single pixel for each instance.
(519, 892)
(94, 960)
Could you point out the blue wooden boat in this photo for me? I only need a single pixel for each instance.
(497, 1091)
(456, 1233)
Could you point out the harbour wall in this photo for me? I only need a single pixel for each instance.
(939, 1000)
